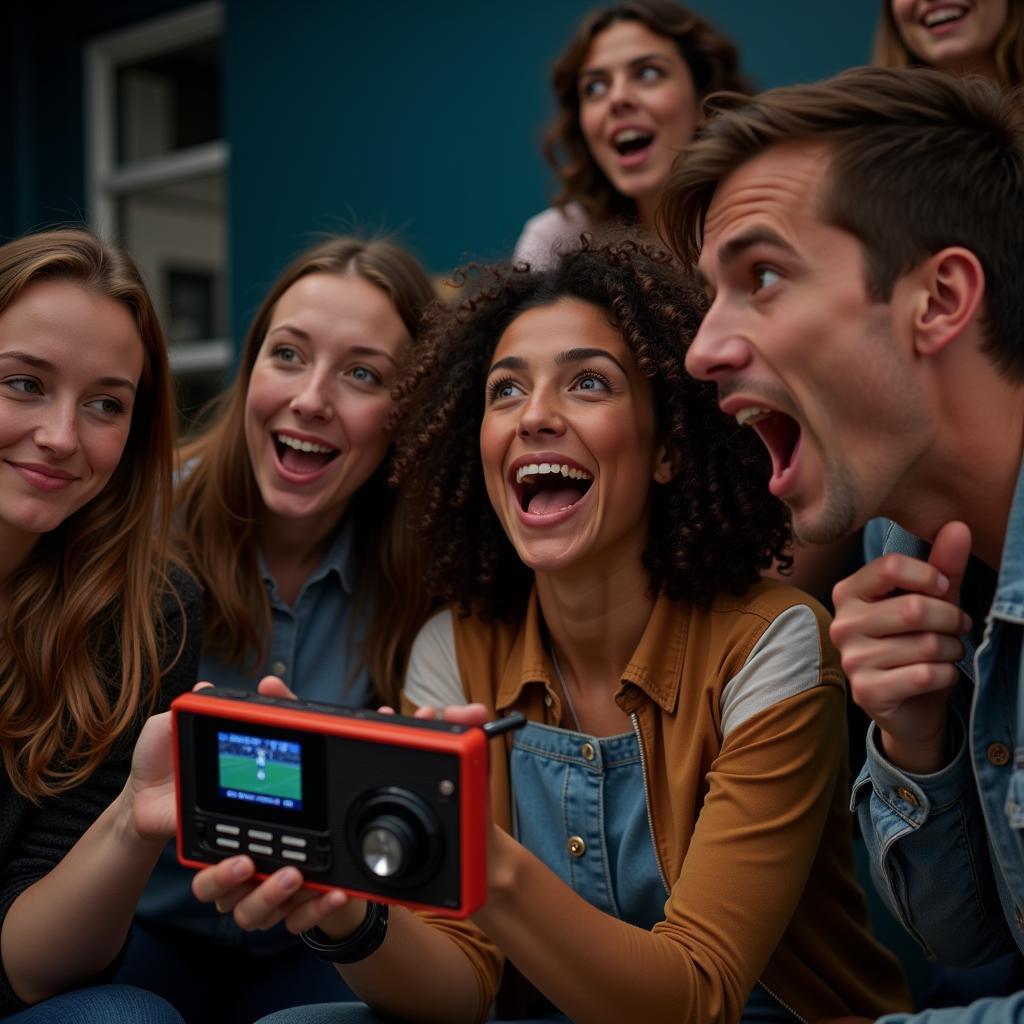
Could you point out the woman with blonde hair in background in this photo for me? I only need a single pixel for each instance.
(980, 37)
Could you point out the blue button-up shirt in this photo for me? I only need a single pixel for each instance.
(315, 648)
(315, 643)
(946, 848)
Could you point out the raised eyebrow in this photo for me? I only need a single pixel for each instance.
(47, 367)
(579, 355)
(369, 350)
(116, 382)
(645, 58)
(738, 245)
(26, 357)
(508, 363)
(291, 329)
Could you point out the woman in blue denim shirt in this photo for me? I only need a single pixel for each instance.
(285, 516)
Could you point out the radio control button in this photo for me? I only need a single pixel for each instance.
(260, 848)
(255, 833)
(228, 830)
(293, 855)
(231, 844)
(292, 841)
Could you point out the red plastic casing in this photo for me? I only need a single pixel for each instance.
(469, 747)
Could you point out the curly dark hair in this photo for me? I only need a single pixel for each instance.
(713, 61)
(713, 527)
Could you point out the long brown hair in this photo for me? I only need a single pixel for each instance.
(219, 503)
(713, 61)
(891, 51)
(84, 608)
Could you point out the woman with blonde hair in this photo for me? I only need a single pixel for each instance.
(285, 517)
(982, 37)
(96, 630)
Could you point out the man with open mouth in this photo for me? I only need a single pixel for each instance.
(859, 241)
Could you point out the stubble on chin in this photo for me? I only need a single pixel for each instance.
(838, 515)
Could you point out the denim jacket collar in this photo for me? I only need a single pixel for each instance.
(338, 559)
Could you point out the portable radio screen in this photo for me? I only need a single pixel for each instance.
(259, 770)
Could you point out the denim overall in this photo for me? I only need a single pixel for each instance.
(578, 803)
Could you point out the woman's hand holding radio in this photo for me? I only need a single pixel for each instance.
(255, 905)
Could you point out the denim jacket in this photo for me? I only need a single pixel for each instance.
(945, 848)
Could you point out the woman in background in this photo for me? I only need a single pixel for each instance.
(628, 89)
(285, 517)
(979, 37)
(96, 630)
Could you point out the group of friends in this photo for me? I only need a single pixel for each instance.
(748, 327)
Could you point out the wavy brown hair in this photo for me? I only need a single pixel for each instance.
(713, 61)
(99, 578)
(891, 52)
(712, 528)
(219, 504)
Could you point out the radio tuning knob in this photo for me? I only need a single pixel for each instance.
(388, 845)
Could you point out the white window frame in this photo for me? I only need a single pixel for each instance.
(106, 183)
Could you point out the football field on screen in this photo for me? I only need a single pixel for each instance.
(283, 780)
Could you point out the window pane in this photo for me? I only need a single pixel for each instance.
(168, 102)
(177, 236)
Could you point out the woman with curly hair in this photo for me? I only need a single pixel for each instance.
(671, 837)
(628, 89)
(97, 631)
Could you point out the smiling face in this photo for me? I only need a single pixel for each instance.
(957, 36)
(801, 353)
(319, 397)
(70, 364)
(638, 109)
(568, 440)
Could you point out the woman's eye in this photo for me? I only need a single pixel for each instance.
(365, 374)
(107, 406)
(285, 353)
(591, 382)
(592, 88)
(24, 385)
(765, 277)
(503, 389)
(649, 73)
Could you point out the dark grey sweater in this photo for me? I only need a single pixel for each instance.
(34, 838)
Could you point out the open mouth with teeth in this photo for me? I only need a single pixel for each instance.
(779, 433)
(302, 456)
(632, 141)
(943, 16)
(546, 487)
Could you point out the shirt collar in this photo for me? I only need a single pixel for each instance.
(654, 668)
(338, 559)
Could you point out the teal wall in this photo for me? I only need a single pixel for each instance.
(426, 118)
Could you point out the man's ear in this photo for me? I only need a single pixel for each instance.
(950, 291)
(664, 463)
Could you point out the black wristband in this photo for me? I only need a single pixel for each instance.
(366, 939)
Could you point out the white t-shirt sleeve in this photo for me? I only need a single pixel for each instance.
(432, 678)
(548, 231)
(784, 662)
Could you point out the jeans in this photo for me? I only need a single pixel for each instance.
(99, 1004)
